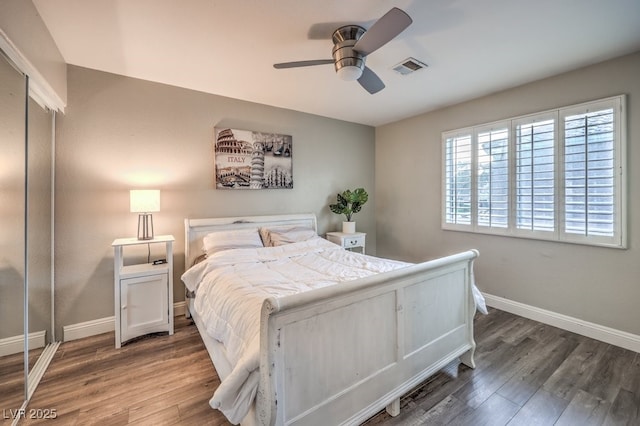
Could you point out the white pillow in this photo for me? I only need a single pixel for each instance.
(232, 239)
(280, 235)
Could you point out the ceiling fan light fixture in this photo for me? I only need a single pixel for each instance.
(352, 44)
(349, 73)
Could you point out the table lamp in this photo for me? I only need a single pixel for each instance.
(145, 201)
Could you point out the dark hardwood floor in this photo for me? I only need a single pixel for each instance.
(527, 374)
(12, 392)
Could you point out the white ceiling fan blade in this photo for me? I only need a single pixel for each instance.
(383, 31)
(298, 64)
(370, 81)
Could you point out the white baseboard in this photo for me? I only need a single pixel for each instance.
(103, 325)
(15, 344)
(595, 331)
(88, 328)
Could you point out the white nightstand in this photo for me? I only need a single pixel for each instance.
(348, 241)
(143, 293)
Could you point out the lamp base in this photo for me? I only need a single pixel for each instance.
(145, 226)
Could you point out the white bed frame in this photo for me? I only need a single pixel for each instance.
(339, 354)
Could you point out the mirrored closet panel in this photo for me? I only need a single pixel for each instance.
(27, 341)
(12, 235)
(39, 229)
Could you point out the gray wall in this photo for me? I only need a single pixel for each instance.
(21, 23)
(120, 133)
(599, 285)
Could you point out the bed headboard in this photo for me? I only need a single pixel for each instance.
(196, 229)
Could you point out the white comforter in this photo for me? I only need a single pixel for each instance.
(231, 286)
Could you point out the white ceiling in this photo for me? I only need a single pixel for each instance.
(228, 47)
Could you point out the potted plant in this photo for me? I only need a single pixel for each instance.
(349, 203)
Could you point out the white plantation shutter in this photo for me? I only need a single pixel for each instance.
(556, 175)
(592, 179)
(457, 181)
(493, 176)
(535, 173)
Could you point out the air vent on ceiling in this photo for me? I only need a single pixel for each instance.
(408, 66)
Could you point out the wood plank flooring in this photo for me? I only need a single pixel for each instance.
(12, 392)
(527, 374)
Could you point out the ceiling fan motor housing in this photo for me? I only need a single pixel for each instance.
(348, 63)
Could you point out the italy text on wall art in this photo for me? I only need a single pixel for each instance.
(246, 159)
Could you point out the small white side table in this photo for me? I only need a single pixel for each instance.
(143, 293)
(348, 241)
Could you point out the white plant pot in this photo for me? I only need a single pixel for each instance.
(348, 227)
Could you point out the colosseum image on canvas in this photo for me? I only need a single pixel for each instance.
(246, 159)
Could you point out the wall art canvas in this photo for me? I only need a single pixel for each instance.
(247, 159)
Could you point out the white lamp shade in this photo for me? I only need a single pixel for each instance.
(144, 200)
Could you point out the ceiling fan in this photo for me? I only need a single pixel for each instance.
(352, 44)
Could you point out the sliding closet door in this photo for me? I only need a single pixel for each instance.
(39, 228)
(12, 236)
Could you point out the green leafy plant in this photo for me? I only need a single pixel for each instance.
(350, 202)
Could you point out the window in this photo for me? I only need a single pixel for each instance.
(458, 182)
(535, 173)
(492, 153)
(555, 175)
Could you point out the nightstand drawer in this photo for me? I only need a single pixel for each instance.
(348, 241)
(355, 241)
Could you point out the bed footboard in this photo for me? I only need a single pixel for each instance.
(340, 354)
